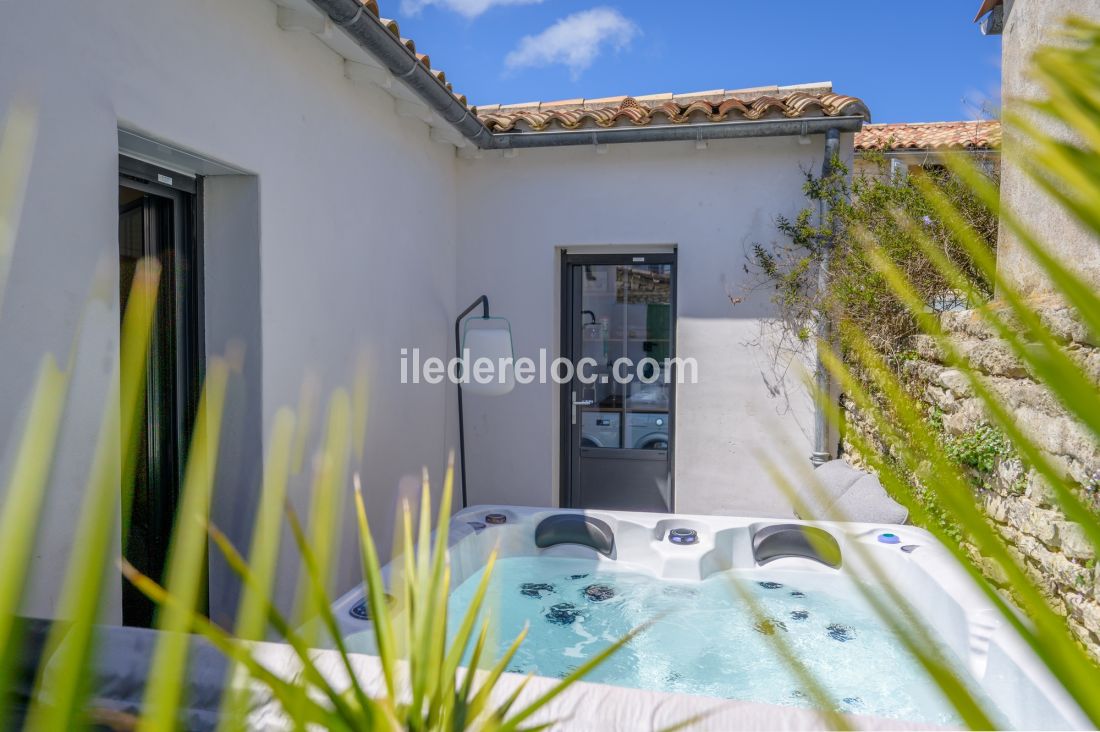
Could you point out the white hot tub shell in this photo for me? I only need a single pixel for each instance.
(941, 593)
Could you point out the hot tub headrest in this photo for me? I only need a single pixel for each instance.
(795, 540)
(575, 528)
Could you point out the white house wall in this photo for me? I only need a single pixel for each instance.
(355, 228)
(713, 204)
(352, 232)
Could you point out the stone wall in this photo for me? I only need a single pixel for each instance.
(1054, 551)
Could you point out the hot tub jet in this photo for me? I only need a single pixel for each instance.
(683, 536)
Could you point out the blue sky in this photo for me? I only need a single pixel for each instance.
(910, 62)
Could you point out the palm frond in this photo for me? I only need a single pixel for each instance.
(58, 699)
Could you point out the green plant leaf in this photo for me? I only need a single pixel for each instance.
(186, 559)
(576, 675)
(310, 672)
(26, 489)
(825, 705)
(1050, 638)
(381, 620)
(263, 558)
(369, 711)
(16, 149)
(69, 647)
(326, 506)
(1043, 353)
(897, 614)
(289, 695)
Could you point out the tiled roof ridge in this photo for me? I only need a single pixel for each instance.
(748, 93)
(954, 135)
(715, 106)
(392, 26)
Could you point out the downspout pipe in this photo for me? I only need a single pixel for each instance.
(823, 451)
(363, 27)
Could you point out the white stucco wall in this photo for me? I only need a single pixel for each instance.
(357, 213)
(353, 232)
(1030, 24)
(713, 204)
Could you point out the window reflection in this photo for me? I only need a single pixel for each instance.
(626, 312)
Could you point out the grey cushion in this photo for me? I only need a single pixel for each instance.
(847, 494)
(120, 671)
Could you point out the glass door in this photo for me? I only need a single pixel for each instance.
(618, 416)
(157, 219)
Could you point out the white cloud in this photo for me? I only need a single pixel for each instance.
(574, 41)
(468, 8)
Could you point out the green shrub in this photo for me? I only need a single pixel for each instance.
(979, 449)
(883, 208)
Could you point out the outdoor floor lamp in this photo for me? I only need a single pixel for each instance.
(486, 340)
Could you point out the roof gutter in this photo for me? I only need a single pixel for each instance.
(930, 152)
(662, 133)
(363, 27)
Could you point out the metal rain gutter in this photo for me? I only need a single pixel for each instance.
(660, 133)
(363, 27)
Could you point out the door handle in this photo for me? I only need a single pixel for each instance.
(581, 403)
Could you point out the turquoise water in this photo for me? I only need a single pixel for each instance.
(705, 640)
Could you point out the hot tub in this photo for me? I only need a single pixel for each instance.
(581, 579)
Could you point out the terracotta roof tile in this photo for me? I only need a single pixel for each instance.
(718, 105)
(391, 25)
(715, 105)
(603, 101)
(975, 135)
(565, 103)
(715, 93)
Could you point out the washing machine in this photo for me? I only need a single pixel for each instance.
(601, 429)
(647, 430)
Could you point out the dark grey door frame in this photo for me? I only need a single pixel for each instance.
(177, 354)
(567, 443)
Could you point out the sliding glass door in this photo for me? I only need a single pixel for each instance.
(157, 218)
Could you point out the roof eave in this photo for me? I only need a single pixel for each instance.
(672, 132)
(987, 6)
(928, 150)
(359, 20)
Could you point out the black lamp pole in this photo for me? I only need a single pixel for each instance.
(484, 302)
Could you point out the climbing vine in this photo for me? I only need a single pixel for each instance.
(878, 203)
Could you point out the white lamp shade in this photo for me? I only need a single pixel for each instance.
(494, 344)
